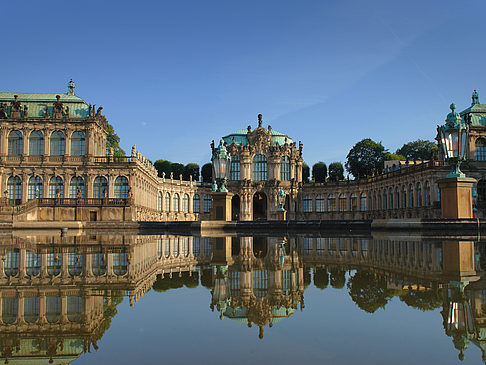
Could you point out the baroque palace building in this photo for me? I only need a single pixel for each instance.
(54, 166)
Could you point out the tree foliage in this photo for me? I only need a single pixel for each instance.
(321, 278)
(305, 172)
(425, 300)
(418, 150)
(336, 171)
(167, 167)
(392, 157)
(365, 158)
(319, 172)
(191, 169)
(113, 141)
(367, 291)
(338, 277)
(207, 173)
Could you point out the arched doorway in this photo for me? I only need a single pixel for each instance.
(235, 208)
(260, 247)
(259, 206)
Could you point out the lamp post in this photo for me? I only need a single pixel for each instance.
(221, 161)
(456, 188)
(281, 212)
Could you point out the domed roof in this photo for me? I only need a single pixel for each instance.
(242, 139)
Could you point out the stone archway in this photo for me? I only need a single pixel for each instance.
(235, 208)
(259, 206)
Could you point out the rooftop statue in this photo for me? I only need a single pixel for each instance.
(475, 98)
(3, 110)
(71, 87)
(15, 107)
(57, 108)
(260, 120)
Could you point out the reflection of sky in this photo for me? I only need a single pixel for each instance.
(178, 326)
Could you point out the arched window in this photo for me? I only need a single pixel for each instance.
(35, 188)
(353, 203)
(159, 201)
(57, 143)
(78, 144)
(379, 207)
(56, 187)
(410, 196)
(175, 247)
(307, 203)
(331, 203)
(74, 308)
(75, 263)
(419, 194)
(11, 267)
(31, 309)
(207, 203)
(320, 203)
(185, 246)
(121, 187)
(53, 309)
(397, 198)
(120, 263)
(76, 187)
(167, 202)
(259, 168)
(166, 247)
(427, 193)
(481, 149)
(100, 187)
(175, 202)
(36, 143)
(98, 264)
(14, 190)
(54, 264)
(159, 249)
(9, 310)
(390, 198)
(404, 197)
(15, 143)
(342, 203)
(196, 203)
(235, 168)
(32, 263)
(285, 169)
(362, 202)
(385, 205)
(185, 203)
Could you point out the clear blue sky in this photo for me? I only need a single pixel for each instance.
(172, 76)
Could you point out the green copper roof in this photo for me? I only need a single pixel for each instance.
(240, 137)
(37, 103)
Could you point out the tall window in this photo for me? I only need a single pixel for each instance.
(342, 203)
(120, 263)
(15, 143)
(56, 185)
(74, 308)
(14, 190)
(480, 149)
(76, 187)
(159, 201)
(384, 200)
(419, 194)
(259, 168)
(166, 247)
(427, 193)
(390, 197)
(196, 203)
(35, 188)
(175, 247)
(481, 190)
(175, 201)
(54, 264)
(397, 198)
(36, 143)
(320, 203)
(285, 169)
(98, 264)
(185, 203)
(31, 309)
(77, 144)
(121, 187)
(57, 143)
(185, 246)
(32, 263)
(404, 197)
(362, 202)
(353, 203)
(410, 196)
(11, 267)
(167, 202)
(207, 203)
(75, 263)
(235, 168)
(307, 202)
(331, 203)
(100, 187)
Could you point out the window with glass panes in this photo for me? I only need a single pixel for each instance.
(14, 190)
(100, 185)
(58, 143)
(76, 187)
(32, 263)
(77, 144)
(481, 149)
(15, 143)
(56, 185)
(307, 203)
(175, 203)
(331, 203)
(121, 187)
(362, 202)
(259, 168)
(36, 143)
(235, 168)
(320, 203)
(207, 203)
(185, 203)
(35, 188)
(285, 169)
(159, 202)
(196, 203)
(342, 203)
(167, 202)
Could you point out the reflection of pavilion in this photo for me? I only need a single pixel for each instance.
(256, 280)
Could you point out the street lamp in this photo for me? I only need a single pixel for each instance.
(281, 199)
(453, 137)
(221, 165)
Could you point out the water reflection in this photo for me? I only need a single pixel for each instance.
(58, 295)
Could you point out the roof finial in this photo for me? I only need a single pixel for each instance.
(71, 87)
(452, 107)
(475, 98)
(260, 120)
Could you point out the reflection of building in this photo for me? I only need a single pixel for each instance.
(260, 282)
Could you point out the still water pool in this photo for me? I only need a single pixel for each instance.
(164, 298)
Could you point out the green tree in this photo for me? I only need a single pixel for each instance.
(338, 277)
(113, 141)
(365, 158)
(305, 172)
(319, 172)
(321, 278)
(336, 171)
(207, 173)
(392, 156)
(367, 291)
(177, 169)
(425, 300)
(419, 150)
(163, 166)
(191, 169)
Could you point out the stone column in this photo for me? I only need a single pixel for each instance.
(4, 141)
(22, 256)
(20, 309)
(42, 307)
(47, 141)
(67, 150)
(25, 181)
(25, 135)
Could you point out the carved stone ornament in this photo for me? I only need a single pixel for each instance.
(260, 140)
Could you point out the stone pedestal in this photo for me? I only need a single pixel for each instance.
(458, 260)
(281, 215)
(221, 210)
(456, 197)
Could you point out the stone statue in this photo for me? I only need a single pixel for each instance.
(3, 111)
(26, 111)
(475, 98)
(57, 108)
(71, 87)
(15, 104)
(58, 193)
(260, 121)
(98, 112)
(47, 112)
(171, 175)
(105, 193)
(249, 128)
(212, 146)
(67, 112)
(134, 151)
(78, 193)
(129, 194)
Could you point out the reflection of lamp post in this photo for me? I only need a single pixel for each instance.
(456, 188)
(282, 213)
(220, 293)
(281, 251)
(221, 165)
